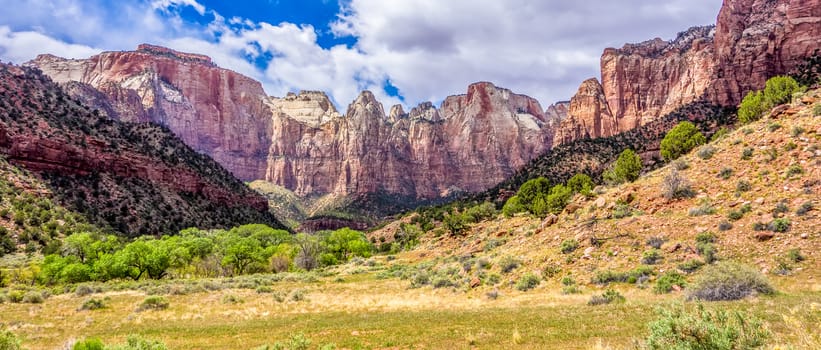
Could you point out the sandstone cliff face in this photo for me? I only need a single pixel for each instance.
(470, 143)
(757, 39)
(215, 111)
(136, 178)
(752, 41)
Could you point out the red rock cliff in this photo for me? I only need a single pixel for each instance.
(215, 111)
(752, 41)
(470, 143)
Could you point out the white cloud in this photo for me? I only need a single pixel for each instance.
(427, 48)
(19, 47)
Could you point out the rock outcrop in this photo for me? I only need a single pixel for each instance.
(757, 39)
(137, 178)
(752, 41)
(470, 143)
(215, 111)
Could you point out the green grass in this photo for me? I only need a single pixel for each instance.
(363, 315)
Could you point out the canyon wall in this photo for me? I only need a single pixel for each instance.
(752, 41)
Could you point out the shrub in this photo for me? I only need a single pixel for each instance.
(681, 164)
(680, 140)
(153, 303)
(550, 271)
(89, 344)
(779, 225)
(691, 266)
(135, 342)
(568, 281)
(231, 299)
(298, 295)
(794, 170)
(816, 110)
(805, 208)
(513, 206)
(675, 186)
(568, 246)
(609, 296)
(83, 290)
(706, 152)
(725, 173)
(665, 283)
(729, 281)
(92, 304)
(778, 90)
(609, 276)
(707, 251)
(706, 237)
(9, 341)
(715, 330)
(795, 256)
(622, 210)
(581, 183)
(527, 282)
(651, 257)
(747, 153)
(781, 208)
(508, 264)
(264, 289)
(752, 107)
(724, 226)
(705, 208)
(743, 186)
(797, 131)
(626, 168)
(723, 131)
(33, 297)
(773, 127)
(656, 242)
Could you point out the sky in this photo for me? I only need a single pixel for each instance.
(404, 51)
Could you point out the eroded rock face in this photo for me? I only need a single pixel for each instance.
(757, 39)
(588, 115)
(215, 111)
(470, 143)
(752, 41)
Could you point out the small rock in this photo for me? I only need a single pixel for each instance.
(600, 202)
(589, 250)
(627, 197)
(700, 229)
(764, 236)
(571, 208)
(549, 220)
(672, 248)
(676, 288)
(759, 200)
(805, 236)
(475, 282)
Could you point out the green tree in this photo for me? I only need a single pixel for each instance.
(778, 90)
(752, 107)
(513, 206)
(626, 168)
(680, 140)
(581, 183)
(146, 256)
(533, 189)
(558, 198)
(242, 252)
(346, 243)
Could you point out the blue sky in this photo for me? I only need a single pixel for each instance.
(405, 51)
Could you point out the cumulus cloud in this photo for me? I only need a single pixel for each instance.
(428, 49)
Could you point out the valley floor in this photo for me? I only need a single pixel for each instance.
(362, 311)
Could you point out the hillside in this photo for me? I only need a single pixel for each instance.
(134, 178)
(756, 191)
